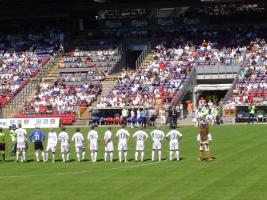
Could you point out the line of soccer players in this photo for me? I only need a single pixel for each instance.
(19, 138)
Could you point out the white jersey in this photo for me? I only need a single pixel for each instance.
(21, 135)
(140, 136)
(123, 135)
(157, 135)
(63, 137)
(52, 138)
(174, 135)
(92, 136)
(108, 136)
(78, 139)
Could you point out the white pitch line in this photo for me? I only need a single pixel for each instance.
(82, 172)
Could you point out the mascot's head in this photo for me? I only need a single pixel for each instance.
(204, 130)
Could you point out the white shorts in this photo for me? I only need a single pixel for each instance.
(51, 147)
(140, 146)
(122, 146)
(79, 148)
(65, 148)
(109, 147)
(174, 145)
(156, 145)
(206, 146)
(21, 145)
(93, 146)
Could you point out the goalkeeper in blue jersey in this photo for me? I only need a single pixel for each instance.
(38, 137)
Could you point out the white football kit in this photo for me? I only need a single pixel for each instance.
(157, 136)
(63, 137)
(123, 136)
(78, 141)
(51, 142)
(174, 135)
(141, 136)
(108, 141)
(204, 145)
(21, 135)
(92, 138)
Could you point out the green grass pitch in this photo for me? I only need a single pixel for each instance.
(239, 171)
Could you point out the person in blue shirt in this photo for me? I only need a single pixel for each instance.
(144, 114)
(38, 137)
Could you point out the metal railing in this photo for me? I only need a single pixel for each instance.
(115, 59)
(230, 91)
(180, 95)
(142, 56)
(15, 104)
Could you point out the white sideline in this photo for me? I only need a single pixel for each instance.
(82, 172)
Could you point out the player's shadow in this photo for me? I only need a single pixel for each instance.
(30, 160)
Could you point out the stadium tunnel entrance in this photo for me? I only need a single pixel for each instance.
(131, 57)
(213, 92)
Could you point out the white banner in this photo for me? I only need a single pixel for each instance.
(31, 122)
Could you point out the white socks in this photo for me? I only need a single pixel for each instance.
(63, 157)
(153, 155)
(78, 156)
(159, 152)
(120, 156)
(37, 156)
(170, 157)
(83, 155)
(105, 156)
(125, 156)
(136, 156)
(142, 155)
(177, 153)
(24, 155)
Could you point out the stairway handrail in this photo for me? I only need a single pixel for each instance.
(139, 61)
(21, 97)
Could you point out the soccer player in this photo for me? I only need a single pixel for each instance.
(63, 138)
(92, 138)
(2, 144)
(51, 144)
(157, 136)
(21, 135)
(13, 140)
(174, 137)
(140, 136)
(78, 140)
(38, 137)
(204, 137)
(108, 145)
(123, 136)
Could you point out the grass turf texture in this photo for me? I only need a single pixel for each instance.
(238, 172)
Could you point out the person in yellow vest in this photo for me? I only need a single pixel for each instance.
(2, 144)
(13, 140)
(252, 111)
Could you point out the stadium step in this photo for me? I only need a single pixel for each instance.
(84, 113)
(147, 61)
(52, 74)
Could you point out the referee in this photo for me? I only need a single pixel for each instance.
(2, 144)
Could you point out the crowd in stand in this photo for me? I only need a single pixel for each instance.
(22, 56)
(156, 84)
(82, 77)
(124, 13)
(59, 98)
(16, 69)
(228, 12)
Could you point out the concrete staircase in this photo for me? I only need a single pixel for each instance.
(147, 61)
(52, 74)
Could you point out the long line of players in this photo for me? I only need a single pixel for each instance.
(38, 138)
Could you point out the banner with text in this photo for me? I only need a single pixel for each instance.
(31, 122)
